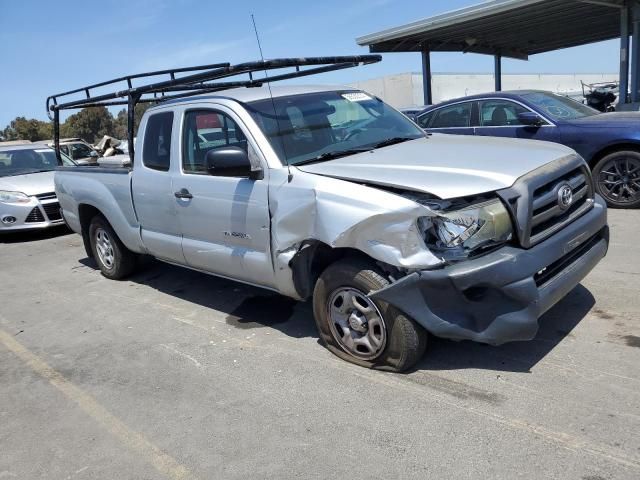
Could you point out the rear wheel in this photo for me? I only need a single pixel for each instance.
(114, 259)
(617, 178)
(369, 333)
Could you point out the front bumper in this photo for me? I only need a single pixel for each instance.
(499, 297)
(35, 215)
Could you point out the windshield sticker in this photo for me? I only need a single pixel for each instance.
(42, 150)
(356, 96)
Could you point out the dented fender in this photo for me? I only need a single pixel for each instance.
(343, 214)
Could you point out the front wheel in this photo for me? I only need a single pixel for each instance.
(617, 178)
(114, 259)
(359, 330)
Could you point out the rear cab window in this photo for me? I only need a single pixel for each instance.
(156, 150)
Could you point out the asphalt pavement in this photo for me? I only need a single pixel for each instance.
(176, 374)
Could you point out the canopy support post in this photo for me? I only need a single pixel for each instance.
(497, 60)
(624, 55)
(635, 54)
(426, 76)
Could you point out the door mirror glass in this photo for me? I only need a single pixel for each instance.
(229, 161)
(530, 118)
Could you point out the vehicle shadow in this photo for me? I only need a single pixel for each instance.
(248, 307)
(34, 235)
(555, 325)
(244, 306)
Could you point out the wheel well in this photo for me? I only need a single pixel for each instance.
(86, 214)
(312, 258)
(618, 147)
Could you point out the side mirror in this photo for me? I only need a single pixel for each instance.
(230, 162)
(531, 119)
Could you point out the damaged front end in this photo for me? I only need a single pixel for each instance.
(498, 297)
(455, 266)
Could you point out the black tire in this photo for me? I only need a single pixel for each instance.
(123, 261)
(617, 179)
(405, 340)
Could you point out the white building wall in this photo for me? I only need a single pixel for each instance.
(405, 89)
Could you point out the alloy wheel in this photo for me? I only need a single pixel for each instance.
(619, 180)
(104, 248)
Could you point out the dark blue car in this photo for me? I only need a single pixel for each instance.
(609, 142)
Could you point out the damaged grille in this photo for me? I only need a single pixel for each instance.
(34, 216)
(549, 198)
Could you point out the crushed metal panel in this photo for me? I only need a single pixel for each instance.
(344, 214)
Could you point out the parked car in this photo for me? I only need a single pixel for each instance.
(78, 150)
(27, 197)
(609, 142)
(328, 193)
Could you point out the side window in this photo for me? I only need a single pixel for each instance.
(205, 130)
(453, 116)
(425, 120)
(500, 113)
(156, 151)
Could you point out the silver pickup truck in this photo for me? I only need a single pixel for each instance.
(329, 194)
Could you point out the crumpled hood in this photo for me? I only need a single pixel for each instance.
(610, 119)
(29, 184)
(447, 166)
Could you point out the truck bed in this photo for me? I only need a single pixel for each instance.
(106, 189)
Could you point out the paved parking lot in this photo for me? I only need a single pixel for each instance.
(175, 374)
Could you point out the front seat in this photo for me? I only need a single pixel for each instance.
(499, 117)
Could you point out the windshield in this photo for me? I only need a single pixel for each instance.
(559, 107)
(80, 150)
(27, 160)
(321, 126)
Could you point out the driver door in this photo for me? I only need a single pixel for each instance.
(499, 118)
(224, 221)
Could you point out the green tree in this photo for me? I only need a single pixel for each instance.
(120, 122)
(90, 124)
(22, 128)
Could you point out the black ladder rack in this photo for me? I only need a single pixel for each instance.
(200, 79)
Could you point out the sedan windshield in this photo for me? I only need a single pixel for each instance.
(29, 160)
(80, 150)
(559, 107)
(322, 126)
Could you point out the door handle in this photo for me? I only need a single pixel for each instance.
(183, 193)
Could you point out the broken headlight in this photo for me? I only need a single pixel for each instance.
(458, 233)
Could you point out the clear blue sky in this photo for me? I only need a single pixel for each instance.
(54, 45)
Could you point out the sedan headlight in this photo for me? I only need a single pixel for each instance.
(13, 197)
(456, 234)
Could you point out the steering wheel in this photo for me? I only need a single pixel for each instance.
(352, 134)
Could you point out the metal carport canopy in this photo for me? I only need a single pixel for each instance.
(509, 28)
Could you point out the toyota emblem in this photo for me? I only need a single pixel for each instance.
(565, 196)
